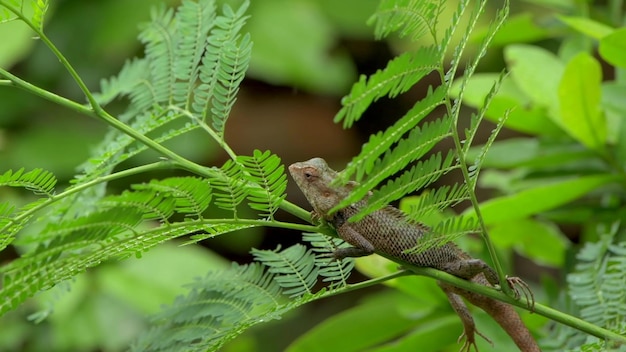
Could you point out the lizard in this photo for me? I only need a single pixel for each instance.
(388, 232)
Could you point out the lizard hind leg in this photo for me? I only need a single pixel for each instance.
(469, 327)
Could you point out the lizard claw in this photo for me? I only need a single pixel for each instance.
(316, 218)
(471, 342)
(518, 285)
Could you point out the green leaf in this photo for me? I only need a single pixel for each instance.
(537, 72)
(336, 272)
(399, 76)
(531, 152)
(538, 199)
(519, 28)
(264, 169)
(39, 181)
(409, 18)
(579, 100)
(523, 236)
(420, 175)
(523, 116)
(365, 326)
(613, 48)
(587, 26)
(192, 195)
(294, 268)
(380, 142)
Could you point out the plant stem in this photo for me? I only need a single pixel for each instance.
(540, 309)
(75, 189)
(454, 113)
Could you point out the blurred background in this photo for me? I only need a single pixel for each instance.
(306, 55)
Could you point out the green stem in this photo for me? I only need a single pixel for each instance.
(368, 283)
(57, 99)
(179, 161)
(75, 189)
(256, 223)
(454, 114)
(44, 38)
(219, 140)
(540, 309)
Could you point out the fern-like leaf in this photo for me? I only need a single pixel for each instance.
(194, 20)
(333, 271)
(447, 231)
(218, 308)
(266, 170)
(131, 81)
(153, 206)
(412, 18)
(192, 195)
(227, 190)
(437, 200)
(400, 74)
(40, 7)
(39, 181)
(413, 147)
(223, 66)
(295, 268)
(58, 261)
(17, 9)
(419, 176)
(474, 170)
(379, 143)
(598, 279)
(160, 48)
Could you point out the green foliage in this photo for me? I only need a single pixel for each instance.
(188, 79)
(32, 11)
(568, 169)
(224, 303)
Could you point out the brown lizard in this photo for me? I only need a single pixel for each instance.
(388, 232)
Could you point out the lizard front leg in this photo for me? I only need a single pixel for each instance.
(362, 247)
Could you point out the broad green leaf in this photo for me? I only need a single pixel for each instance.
(519, 28)
(523, 116)
(587, 26)
(540, 198)
(613, 48)
(517, 152)
(537, 72)
(430, 335)
(540, 241)
(579, 99)
(378, 320)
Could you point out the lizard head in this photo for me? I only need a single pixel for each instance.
(315, 177)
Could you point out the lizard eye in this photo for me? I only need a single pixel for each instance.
(309, 174)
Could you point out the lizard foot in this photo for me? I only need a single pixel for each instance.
(471, 342)
(519, 287)
(316, 218)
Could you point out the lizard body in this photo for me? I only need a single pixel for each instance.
(388, 232)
